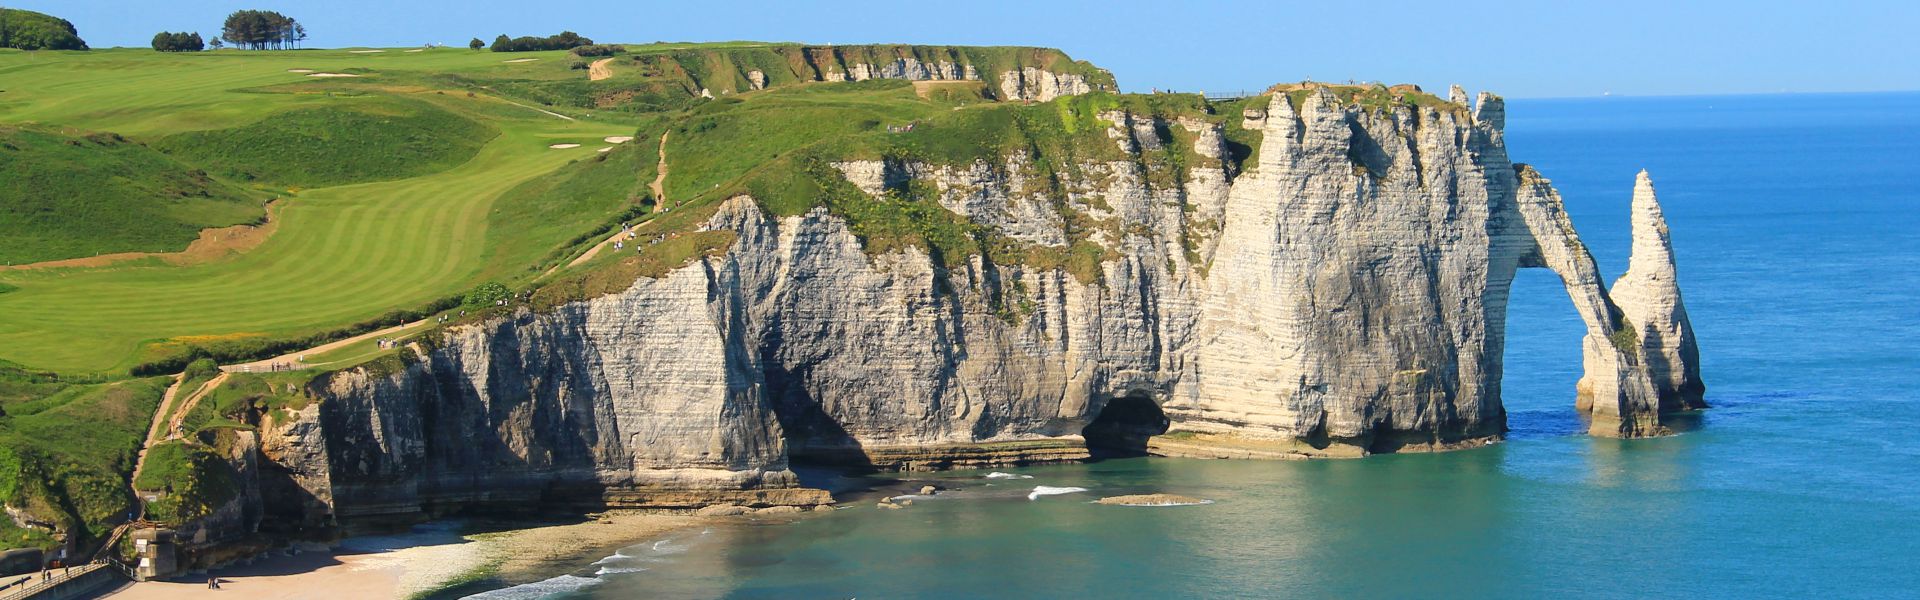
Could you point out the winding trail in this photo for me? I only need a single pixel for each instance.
(292, 359)
(599, 69)
(154, 430)
(658, 186)
(180, 413)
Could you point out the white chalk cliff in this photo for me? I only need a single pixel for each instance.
(1344, 294)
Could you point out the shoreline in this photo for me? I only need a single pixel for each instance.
(428, 560)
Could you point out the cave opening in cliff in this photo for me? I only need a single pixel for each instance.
(1123, 427)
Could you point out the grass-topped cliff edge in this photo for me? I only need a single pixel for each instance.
(403, 180)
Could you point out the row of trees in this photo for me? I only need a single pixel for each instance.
(565, 40)
(179, 42)
(262, 30)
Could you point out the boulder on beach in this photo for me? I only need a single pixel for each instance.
(722, 510)
(779, 510)
(927, 490)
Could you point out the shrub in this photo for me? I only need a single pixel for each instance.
(195, 479)
(486, 294)
(598, 50)
(563, 41)
(178, 42)
(476, 44)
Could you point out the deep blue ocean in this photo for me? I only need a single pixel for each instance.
(1796, 222)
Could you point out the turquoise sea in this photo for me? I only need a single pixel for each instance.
(1796, 220)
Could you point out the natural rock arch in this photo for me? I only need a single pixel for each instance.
(1622, 393)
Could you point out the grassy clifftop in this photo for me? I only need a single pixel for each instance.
(353, 139)
(779, 146)
(665, 78)
(71, 194)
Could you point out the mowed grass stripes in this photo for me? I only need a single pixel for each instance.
(340, 255)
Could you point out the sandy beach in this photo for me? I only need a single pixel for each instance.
(429, 558)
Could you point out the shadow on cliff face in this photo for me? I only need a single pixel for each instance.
(814, 438)
(1123, 426)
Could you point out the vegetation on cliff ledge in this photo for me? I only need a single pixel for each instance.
(65, 450)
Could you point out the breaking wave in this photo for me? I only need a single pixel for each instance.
(538, 589)
(1048, 490)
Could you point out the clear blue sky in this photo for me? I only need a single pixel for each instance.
(1519, 48)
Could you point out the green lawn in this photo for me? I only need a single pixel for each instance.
(74, 194)
(341, 255)
(430, 172)
(351, 139)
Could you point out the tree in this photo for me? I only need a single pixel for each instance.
(28, 30)
(476, 44)
(178, 42)
(565, 40)
(215, 43)
(262, 30)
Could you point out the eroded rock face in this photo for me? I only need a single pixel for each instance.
(1040, 85)
(1023, 84)
(1649, 295)
(1345, 295)
(651, 395)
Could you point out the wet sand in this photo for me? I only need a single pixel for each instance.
(427, 559)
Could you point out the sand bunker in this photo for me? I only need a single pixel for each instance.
(618, 139)
(366, 51)
(332, 75)
(563, 146)
(606, 149)
(416, 50)
(520, 60)
(299, 70)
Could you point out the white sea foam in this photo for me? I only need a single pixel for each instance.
(999, 475)
(667, 546)
(539, 589)
(617, 570)
(1048, 490)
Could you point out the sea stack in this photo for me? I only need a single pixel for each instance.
(1649, 295)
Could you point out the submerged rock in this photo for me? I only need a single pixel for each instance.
(1152, 500)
